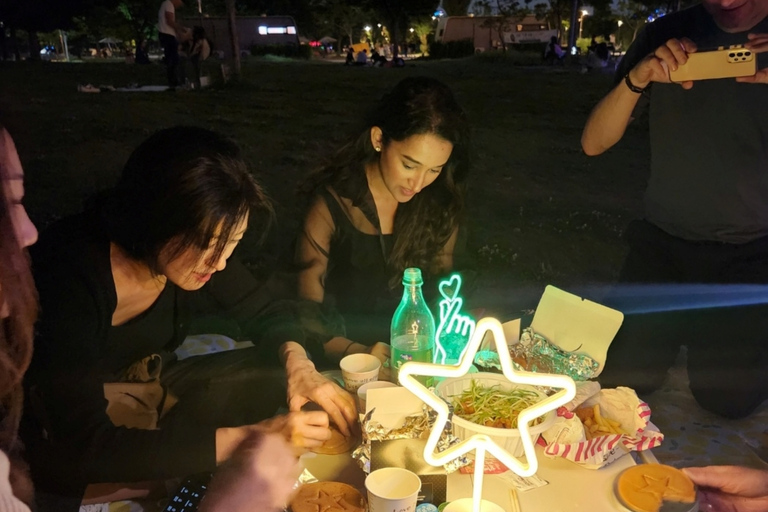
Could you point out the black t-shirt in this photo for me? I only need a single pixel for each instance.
(709, 144)
(77, 350)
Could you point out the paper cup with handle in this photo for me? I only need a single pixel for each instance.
(392, 489)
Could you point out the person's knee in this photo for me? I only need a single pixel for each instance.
(728, 403)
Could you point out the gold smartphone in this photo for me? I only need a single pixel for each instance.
(721, 63)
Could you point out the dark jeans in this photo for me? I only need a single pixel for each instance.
(171, 52)
(676, 292)
(225, 389)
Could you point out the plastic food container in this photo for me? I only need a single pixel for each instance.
(507, 438)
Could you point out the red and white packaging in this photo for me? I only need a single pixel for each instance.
(567, 439)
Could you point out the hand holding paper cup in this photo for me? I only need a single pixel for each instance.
(392, 489)
(359, 369)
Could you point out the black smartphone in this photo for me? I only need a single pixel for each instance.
(188, 495)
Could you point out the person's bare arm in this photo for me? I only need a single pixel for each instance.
(312, 249)
(609, 119)
(170, 19)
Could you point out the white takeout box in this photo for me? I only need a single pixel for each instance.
(579, 325)
(570, 322)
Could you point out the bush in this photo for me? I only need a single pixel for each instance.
(301, 51)
(537, 47)
(451, 49)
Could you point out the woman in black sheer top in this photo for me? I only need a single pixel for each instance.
(390, 198)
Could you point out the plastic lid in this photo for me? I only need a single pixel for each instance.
(412, 276)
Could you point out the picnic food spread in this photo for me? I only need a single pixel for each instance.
(596, 424)
(338, 443)
(645, 487)
(492, 406)
(327, 497)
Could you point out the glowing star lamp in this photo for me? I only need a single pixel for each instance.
(478, 442)
(454, 328)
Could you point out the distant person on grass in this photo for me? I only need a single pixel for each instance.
(554, 52)
(391, 197)
(200, 50)
(350, 60)
(706, 208)
(168, 29)
(142, 57)
(362, 58)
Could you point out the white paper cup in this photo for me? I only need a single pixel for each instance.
(359, 369)
(392, 489)
(362, 392)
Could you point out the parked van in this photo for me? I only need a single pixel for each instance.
(485, 36)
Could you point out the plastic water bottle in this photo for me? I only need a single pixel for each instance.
(412, 334)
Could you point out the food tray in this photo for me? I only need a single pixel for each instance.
(506, 438)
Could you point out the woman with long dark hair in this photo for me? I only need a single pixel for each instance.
(391, 198)
(18, 310)
(119, 286)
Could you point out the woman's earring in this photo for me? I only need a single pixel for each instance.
(378, 149)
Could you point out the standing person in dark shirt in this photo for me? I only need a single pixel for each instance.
(705, 226)
(122, 282)
(391, 198)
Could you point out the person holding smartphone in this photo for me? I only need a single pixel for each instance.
(705, 223)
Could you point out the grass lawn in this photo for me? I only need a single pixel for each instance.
(540, 212)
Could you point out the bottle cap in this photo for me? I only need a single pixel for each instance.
(412, 276)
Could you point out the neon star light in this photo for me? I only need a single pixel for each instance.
(451, 321)
(478, 442)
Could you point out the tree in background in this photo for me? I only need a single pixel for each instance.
(422, 28)
(634, 14)
(35, 16)
(554, 12)
(125, 20)
(398, 14)
(342, 19)
(456, 7)
(505, 14)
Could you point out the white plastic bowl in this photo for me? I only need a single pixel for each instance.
(507, 438)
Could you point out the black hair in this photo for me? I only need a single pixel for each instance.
(423, 225)
(182, 187)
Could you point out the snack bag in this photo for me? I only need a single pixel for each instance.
(607, 425)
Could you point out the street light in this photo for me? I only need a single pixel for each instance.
(584, 12)
(620, 23)
(367, 28)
